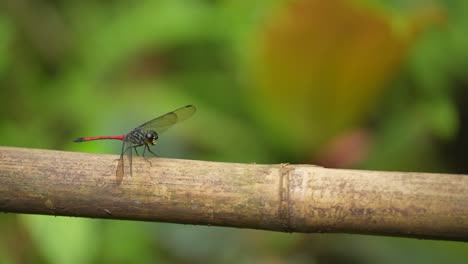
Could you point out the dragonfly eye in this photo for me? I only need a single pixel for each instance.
(152, 137)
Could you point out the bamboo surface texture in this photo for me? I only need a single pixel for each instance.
(283, 197)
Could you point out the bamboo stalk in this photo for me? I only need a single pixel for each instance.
(288, 198)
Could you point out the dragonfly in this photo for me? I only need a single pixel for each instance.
(144, 136)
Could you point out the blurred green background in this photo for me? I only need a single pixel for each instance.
(346, 83)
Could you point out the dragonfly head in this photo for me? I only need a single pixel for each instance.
(151, 137)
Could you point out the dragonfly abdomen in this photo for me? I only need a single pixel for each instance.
(122, 137)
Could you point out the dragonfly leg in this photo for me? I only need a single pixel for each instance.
(135, 148)
(151, 151)
(144, 149)
(130, 160)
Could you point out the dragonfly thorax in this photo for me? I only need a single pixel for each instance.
(138, 137)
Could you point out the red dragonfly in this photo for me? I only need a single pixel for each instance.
(144, 135)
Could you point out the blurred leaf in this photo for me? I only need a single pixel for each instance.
(404, 142)
(114, 34)
(320, 67)
(6, 32)
(5, 257)
(127, 242)
(444, 118)
(64, 239)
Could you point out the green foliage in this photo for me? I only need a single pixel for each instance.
(80, 234)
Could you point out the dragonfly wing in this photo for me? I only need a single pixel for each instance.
(162, 123)
(119, 173)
